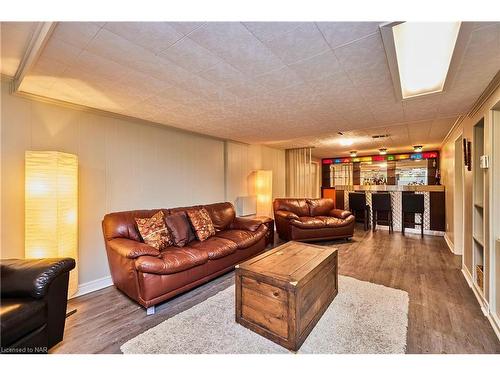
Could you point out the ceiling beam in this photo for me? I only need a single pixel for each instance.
(38, 40)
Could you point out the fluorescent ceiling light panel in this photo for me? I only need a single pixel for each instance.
(424, 51)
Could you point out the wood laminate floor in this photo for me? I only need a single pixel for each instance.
(444, 316)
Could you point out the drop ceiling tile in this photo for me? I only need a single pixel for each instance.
(186, 28)
(278, 79)
(419, 132)
(190, 56)
(61, 51)
(340, 33)
(223, 74)
(422, 108)
(246, 89)
(389, 117)
(235, 44)
(154, 36)
(365, 62)
(143, 82)
(78, 34)
(302, 42)
(440, 128)
(101, 68)
(15, 37)
(266, 31)
(317, 66)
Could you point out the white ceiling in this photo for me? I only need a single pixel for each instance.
(279, 83)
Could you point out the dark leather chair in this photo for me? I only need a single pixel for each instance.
(33, 305)
(359, 208)
(382, 210)
(149, 276)
(311, 219)
(412, 204)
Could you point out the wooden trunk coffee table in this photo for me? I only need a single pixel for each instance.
(282, 293)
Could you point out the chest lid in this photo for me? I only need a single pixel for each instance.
(290, 262)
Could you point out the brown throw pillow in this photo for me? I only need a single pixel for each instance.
(154, 231)
(202, 224)
(180, 228)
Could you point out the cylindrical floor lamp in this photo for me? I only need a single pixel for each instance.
(51, 208)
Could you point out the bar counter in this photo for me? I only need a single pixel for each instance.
(434, 202)
(390, 187)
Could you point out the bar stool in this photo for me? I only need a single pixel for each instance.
(357, 204)
(381, 202)
(412, 204)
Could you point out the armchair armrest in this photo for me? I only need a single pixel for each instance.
(31, 277)
(286, 215)
(132, 249)
(340, 214)
(246, 224)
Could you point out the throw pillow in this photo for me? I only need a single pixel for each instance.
(180, 228)
(202, 224)
(154, 231)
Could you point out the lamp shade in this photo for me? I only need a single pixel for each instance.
(51, 207)
(262, 187)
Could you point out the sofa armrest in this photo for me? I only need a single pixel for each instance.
(31, 277)
(246, 224)
(340, 214)
(286, 215)
(132, 249)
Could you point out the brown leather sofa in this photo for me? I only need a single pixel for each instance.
(306, 219)
(150, 276)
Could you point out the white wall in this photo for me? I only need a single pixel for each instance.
(123, 165)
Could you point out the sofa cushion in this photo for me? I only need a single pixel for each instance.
(180, 228)
(297, 206)
(341, 214)
(215, 247)
(154, 231)
(202, 223)
(308, 222)
(222, 214)
(332, 222)
(20, 316)
(171, 260)
(243, 238)
(320, 207)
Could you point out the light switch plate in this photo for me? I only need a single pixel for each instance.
(484, 161)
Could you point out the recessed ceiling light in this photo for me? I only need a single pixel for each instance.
(346, 141)
(382, 151)
(417, 148)
(353, 154)
(424, 51)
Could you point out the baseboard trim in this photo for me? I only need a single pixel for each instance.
(93, 285)
(495, 323)
(450, 244)
(482, 303)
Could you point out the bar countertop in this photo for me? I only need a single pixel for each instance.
(391, 187)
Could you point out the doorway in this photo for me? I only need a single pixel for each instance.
(458, 201)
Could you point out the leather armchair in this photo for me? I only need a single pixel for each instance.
(34, 294)
(311, 219)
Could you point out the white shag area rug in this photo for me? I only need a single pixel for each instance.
(363, 318)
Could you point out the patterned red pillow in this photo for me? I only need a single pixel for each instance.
(201, 222)
(154, 231)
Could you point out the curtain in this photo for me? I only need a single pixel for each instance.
(301, 174)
